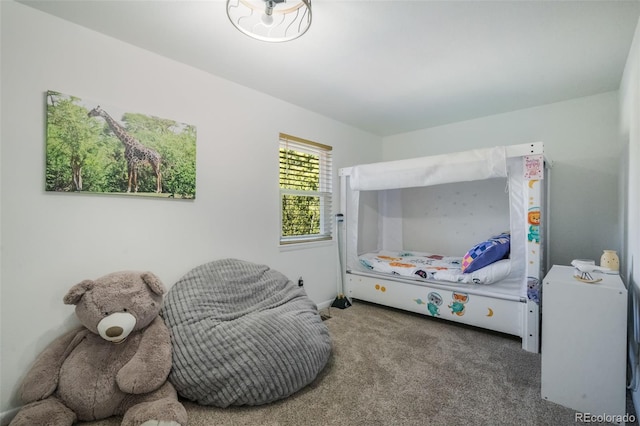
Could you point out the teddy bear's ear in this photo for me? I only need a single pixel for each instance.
(153, 282)
(76, 292)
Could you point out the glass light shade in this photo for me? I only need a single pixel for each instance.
(270, 20)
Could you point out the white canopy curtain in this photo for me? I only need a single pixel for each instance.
(424, 171)
(389, 178)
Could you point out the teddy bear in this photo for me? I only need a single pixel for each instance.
(116, 364)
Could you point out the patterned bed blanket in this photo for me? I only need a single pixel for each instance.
(434, 267)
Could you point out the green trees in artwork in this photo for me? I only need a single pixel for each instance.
(82, 153)
(71, 139)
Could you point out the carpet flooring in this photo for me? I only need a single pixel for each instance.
(390, 367)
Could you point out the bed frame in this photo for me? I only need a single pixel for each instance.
(514, 314)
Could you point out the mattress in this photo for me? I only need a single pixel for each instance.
(432, 267)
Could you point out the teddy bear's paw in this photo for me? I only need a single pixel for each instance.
(160, 423)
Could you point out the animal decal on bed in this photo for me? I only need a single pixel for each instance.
(458, 300)
(534, 258)
(435, 301)
(533, 219)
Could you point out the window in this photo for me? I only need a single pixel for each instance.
(305, 190)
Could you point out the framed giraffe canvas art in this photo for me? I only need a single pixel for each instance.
(97, 148)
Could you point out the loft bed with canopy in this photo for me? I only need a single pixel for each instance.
(456, 236)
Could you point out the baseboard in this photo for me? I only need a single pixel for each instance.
(7, 416)
(325, 304)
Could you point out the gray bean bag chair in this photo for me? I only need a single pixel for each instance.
(242, 334)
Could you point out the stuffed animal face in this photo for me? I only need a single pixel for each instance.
(115, 305)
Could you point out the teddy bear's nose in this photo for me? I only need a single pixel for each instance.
(116, 327)
(114, 331)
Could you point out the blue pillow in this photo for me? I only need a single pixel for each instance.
(487, 252)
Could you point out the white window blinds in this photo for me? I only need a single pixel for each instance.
(305, 190)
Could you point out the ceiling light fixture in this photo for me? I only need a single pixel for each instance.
(270, 20)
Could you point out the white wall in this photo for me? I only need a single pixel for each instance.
(580, 137)
(630, 136)
(51, 241)
(630, 259)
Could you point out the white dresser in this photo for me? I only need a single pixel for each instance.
(584, 338)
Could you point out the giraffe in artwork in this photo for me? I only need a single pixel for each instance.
(135, 153)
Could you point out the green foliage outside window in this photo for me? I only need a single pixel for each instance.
(300, 213)
(304, 195)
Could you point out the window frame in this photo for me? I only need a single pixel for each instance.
(324, 193)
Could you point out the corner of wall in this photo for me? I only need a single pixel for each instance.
(7, 416)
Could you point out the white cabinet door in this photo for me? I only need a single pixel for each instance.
(584, 330)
